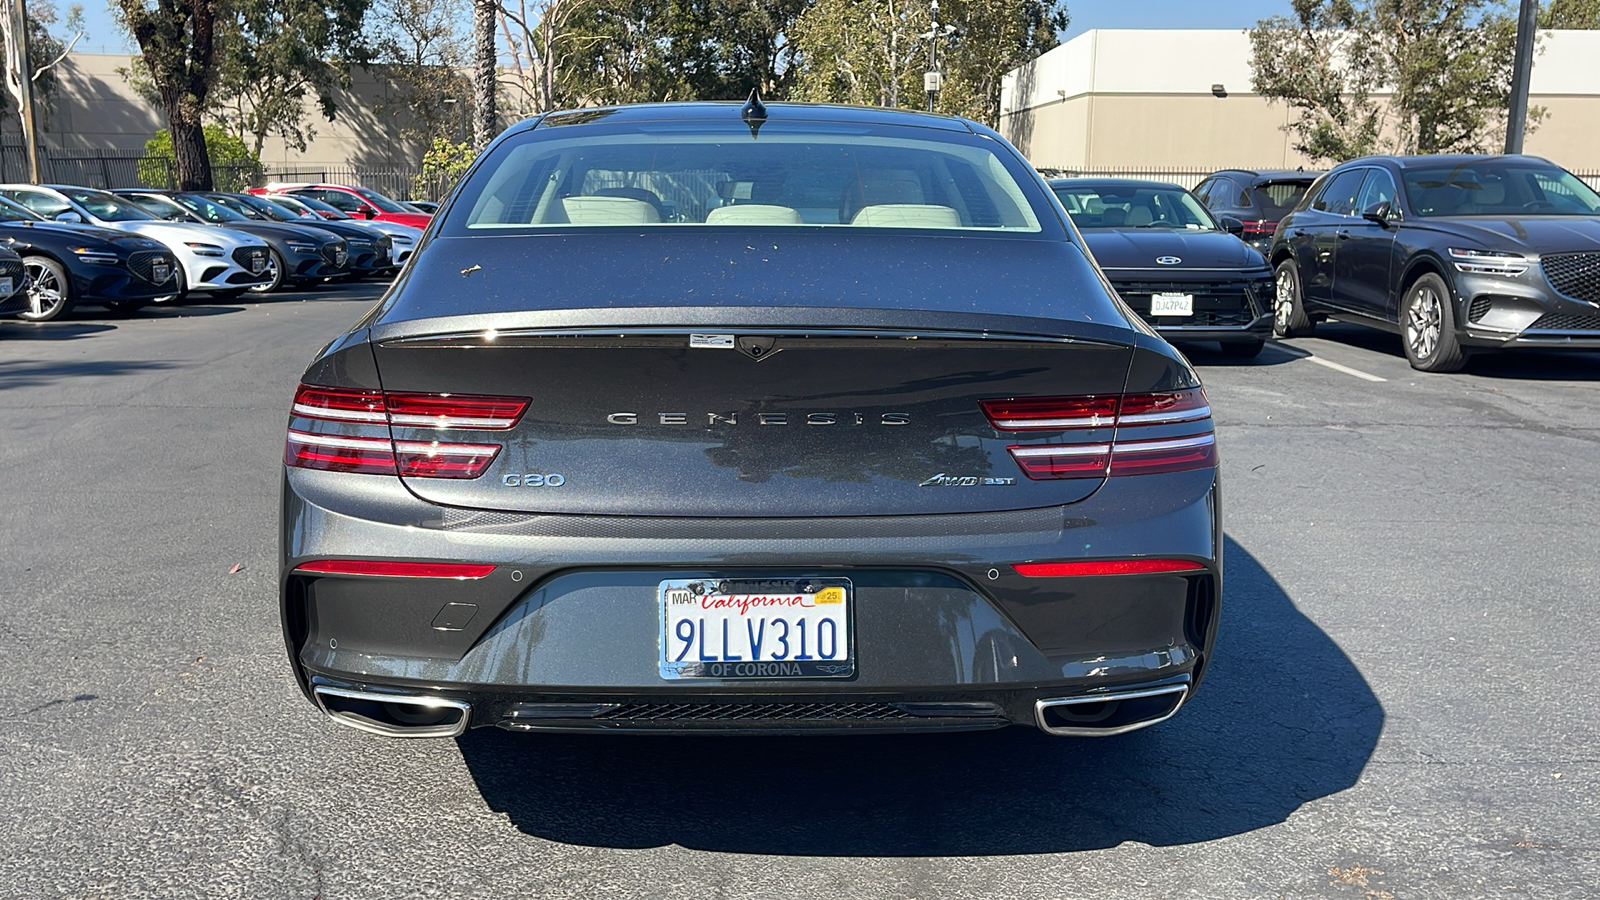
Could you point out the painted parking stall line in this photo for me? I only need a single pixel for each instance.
(1327, 363)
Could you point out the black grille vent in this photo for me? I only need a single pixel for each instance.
(11, 269)
(1479, 308)
(142, 265)
(1556, 322)
(335, 253)
(753, 712)
(1217, 304)
(1574, 274)
(251, 259)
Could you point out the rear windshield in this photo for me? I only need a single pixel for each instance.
(717, 173)
(1277, 198)
(1498, 187)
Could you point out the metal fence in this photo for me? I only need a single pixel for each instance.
(120, 168)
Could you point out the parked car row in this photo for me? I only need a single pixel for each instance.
(1453, 253)
(127, 248)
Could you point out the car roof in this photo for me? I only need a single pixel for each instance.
(1086, 180)
(1447, 159)
(1270, 174)
(790, 112)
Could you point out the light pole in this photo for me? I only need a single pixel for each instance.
(1521, 74)
(933, 79)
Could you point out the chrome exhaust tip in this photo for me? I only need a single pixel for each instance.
(393, 715)
(1103, 715)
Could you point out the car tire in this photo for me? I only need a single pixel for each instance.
(277, 267)
(1428, 327)
(1243, 349)
(1289, 317)
(50, 293)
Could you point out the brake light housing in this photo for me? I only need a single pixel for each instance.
(382, 455)
(1152, 433)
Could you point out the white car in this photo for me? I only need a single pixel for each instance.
(218, 260)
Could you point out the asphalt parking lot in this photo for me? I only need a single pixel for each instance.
(1400, 706)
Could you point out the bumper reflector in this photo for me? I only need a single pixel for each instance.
(395, 568)
(1106, 567)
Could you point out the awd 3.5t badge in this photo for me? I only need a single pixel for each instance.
(943, 480)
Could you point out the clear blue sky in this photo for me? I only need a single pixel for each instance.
(104, 37)
(1088, 14)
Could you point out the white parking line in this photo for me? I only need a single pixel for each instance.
(1312, 357)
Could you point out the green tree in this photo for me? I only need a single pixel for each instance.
(177, 48)
(420, 47)
(233, 164)
(1445, 63)
(724, 49)
(1578, 14)
(442, 166)
(874, 52)
(276, 53)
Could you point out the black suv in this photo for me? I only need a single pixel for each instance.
(1452, 252)
(1256, 198)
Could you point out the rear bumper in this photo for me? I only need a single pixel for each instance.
(1258, 329)
(570, 614)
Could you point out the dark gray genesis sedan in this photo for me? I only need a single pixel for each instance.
(1455, 253)
(710, 418)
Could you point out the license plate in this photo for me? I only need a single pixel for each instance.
(160, 272)
(756, 628)
(7, 287)
(1172, 304)
(257, 264)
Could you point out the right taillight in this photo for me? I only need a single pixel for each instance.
(382, 455)
(1167, 431)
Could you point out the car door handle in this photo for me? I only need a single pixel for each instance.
(1297, 232)
(1343, 233)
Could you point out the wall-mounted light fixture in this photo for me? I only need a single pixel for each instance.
(1218, 90)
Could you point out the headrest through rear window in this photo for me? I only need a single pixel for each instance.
(609, 211)
(907, 215)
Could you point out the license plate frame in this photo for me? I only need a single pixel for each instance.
(757, 606)
(8, 286)
(160, 272)
(1171, 304)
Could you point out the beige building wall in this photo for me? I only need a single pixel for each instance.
(95, 108)
(1145, 99)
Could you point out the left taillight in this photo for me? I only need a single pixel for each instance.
(375, 454)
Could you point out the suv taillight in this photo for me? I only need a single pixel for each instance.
(1260, 228)
(1152, 433)
(376, 454)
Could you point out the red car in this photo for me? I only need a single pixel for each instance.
(359, 202)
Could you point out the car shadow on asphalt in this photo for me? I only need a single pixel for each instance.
(1283, 718)
(1522, 365)
(1209, 355)
(51, 331)
(31, 373)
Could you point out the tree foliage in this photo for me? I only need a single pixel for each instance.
(1578, 14)
(421, 47)
(234, 166)
(276, 53)
(874, 52)
(1444, 64)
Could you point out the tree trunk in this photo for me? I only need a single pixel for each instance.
(484, 13)
(191, 164)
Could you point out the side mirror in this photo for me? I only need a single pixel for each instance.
(70, 217)
(369, 212)
(1379, 213)
(1231, 225)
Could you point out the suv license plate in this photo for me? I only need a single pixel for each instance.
(1172, 304)
(756, 628)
